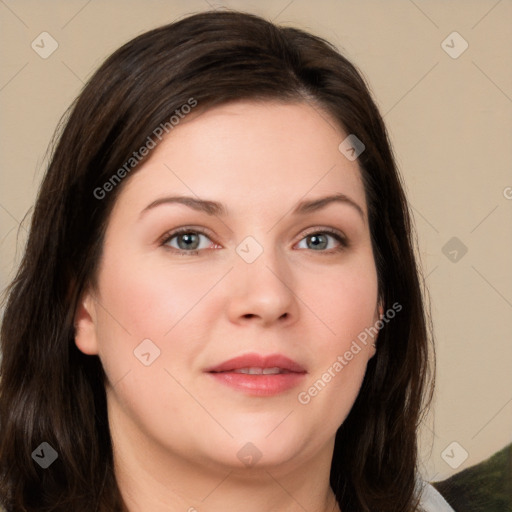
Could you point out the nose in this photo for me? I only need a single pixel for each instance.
(262, 292)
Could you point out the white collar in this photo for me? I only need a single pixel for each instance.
(431, 500)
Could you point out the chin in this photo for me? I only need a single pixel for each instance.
(261, 448)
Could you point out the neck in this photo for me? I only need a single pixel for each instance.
(229, 490)
(151, 478)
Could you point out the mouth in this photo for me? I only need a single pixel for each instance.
(259, 375)
(259, 371)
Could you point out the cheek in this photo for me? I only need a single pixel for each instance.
(141, 303)
(143, 299)
(345, 301)
(149, 297)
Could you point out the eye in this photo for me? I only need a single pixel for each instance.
(187, 240)
(323, 241)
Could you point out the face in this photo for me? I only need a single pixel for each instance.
(236, 276)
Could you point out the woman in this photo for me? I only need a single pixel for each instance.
(219, 305)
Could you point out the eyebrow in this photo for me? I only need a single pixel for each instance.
(218, 209)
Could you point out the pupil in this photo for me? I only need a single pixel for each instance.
(189, 241)
(317, 242)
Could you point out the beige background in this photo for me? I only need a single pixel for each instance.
(450, 121)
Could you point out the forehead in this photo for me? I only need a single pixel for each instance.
(250, 154)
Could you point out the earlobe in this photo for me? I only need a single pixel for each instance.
(85, 325)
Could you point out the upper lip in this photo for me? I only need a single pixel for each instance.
(258, 361)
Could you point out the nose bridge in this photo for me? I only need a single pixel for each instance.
(261, 281)
(262, 264)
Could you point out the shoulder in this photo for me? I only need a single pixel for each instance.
(485, 487)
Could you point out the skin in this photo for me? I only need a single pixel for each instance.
(176, 431)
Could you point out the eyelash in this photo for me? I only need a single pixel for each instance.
(340, 238)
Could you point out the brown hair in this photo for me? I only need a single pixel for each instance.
(51, 392)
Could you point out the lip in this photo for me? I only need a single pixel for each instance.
(258, 361)
(260, 384)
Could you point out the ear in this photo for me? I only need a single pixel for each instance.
(379, 310)
(85, 325)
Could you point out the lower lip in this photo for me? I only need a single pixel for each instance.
(259, 385)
